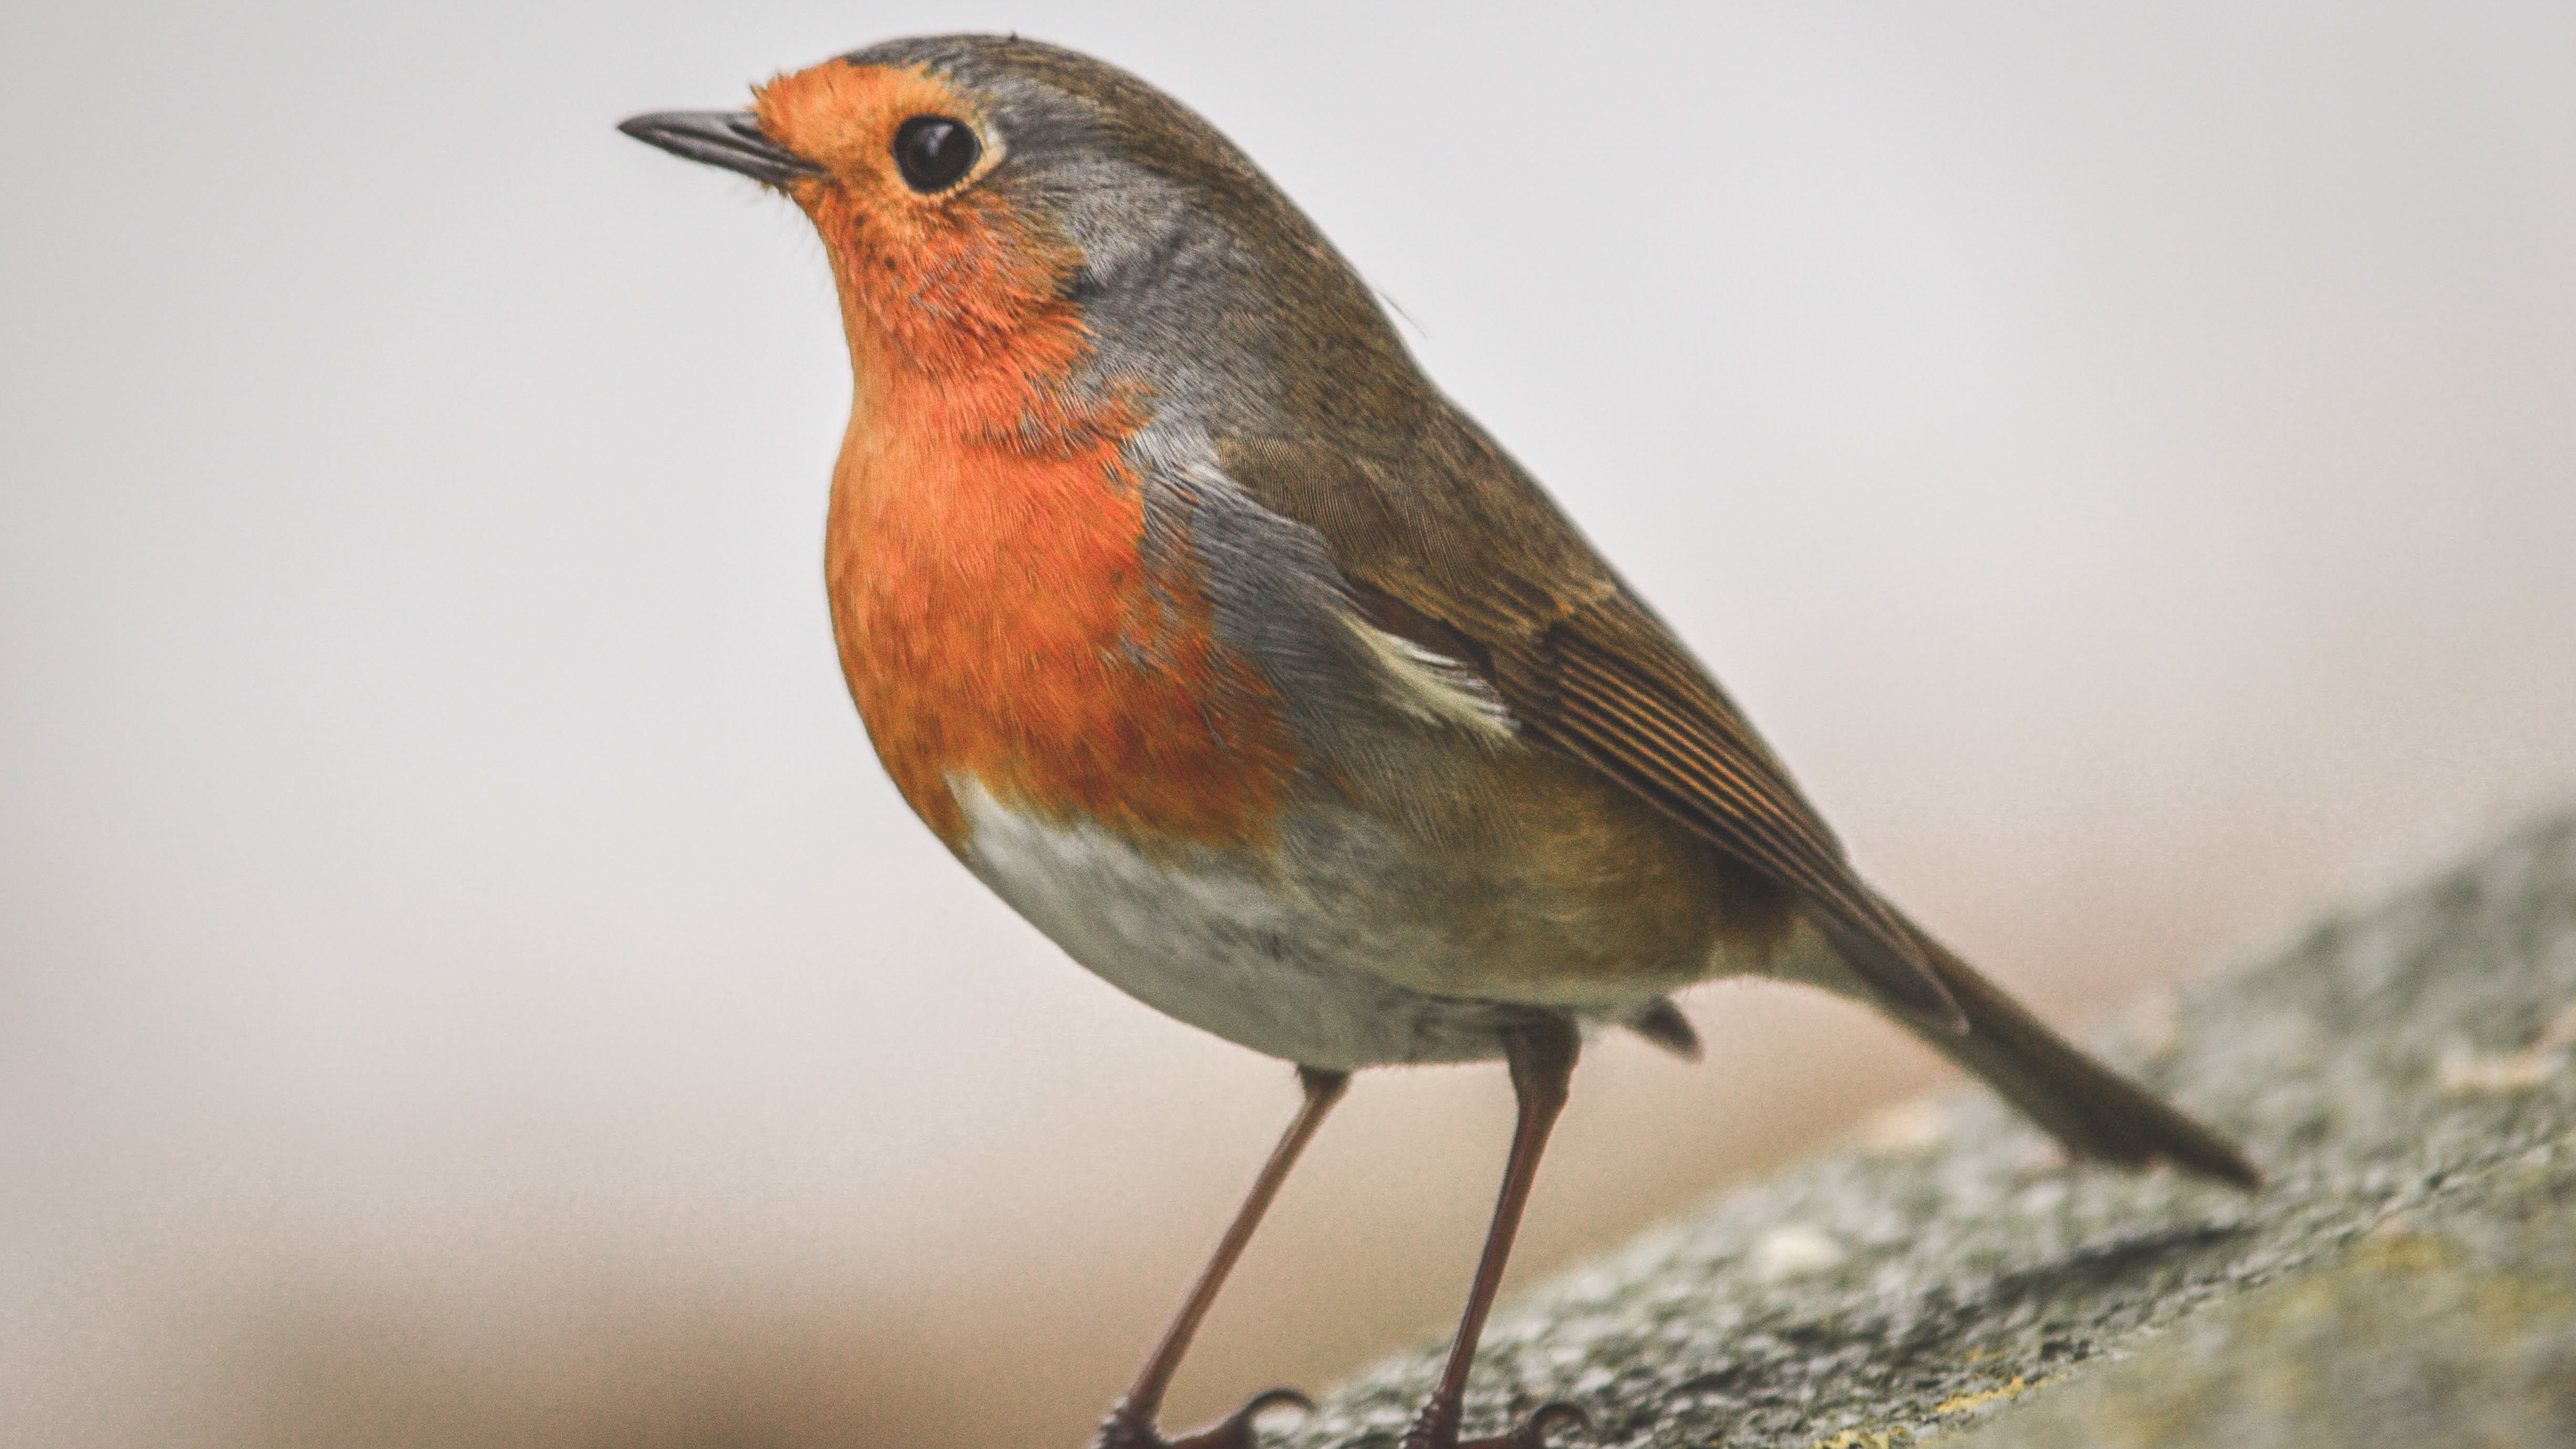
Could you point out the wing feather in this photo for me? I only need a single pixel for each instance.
(1678, 741)
(1446, 543)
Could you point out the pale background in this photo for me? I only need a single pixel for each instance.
(463, 980)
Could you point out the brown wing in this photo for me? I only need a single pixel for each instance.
(1448, 543)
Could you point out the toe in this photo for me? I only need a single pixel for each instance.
(1532, 1433)
(1127, 1429)
(1234, 1431)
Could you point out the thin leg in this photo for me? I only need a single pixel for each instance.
(1541, 1056)
(1130, 1424)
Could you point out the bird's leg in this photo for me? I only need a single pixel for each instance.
(1541, 1055)
(1130, 1424)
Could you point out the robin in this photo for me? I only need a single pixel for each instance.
(1206, 632)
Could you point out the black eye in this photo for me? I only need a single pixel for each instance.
(933, 151)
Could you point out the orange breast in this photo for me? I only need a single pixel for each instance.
(998, 620)
(997, 616)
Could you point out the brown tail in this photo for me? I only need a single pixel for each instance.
(2083, 1104)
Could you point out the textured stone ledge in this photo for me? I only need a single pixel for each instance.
(2406, 1074)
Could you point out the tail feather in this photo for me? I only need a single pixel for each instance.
(2094, 1111)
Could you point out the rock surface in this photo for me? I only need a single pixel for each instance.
(2406, 1075)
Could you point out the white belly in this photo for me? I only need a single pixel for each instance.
(1277, 967)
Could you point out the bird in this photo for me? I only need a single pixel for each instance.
(1208, 633)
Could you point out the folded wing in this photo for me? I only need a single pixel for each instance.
(1447, 544)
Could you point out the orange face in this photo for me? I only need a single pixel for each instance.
(951, 284)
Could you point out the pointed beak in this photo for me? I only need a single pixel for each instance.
(730, 139)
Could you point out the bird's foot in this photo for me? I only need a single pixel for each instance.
(1129, 1428)
(1437, 1431)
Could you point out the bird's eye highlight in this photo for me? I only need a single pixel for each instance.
(933, 151)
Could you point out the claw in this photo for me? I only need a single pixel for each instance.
(1234, 1431)
(1532, 1434)
(1125, 1429)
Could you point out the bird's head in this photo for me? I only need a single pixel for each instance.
(993, 205)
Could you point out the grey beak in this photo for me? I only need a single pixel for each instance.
(730, 139)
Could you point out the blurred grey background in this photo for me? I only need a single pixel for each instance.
(463, 979)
